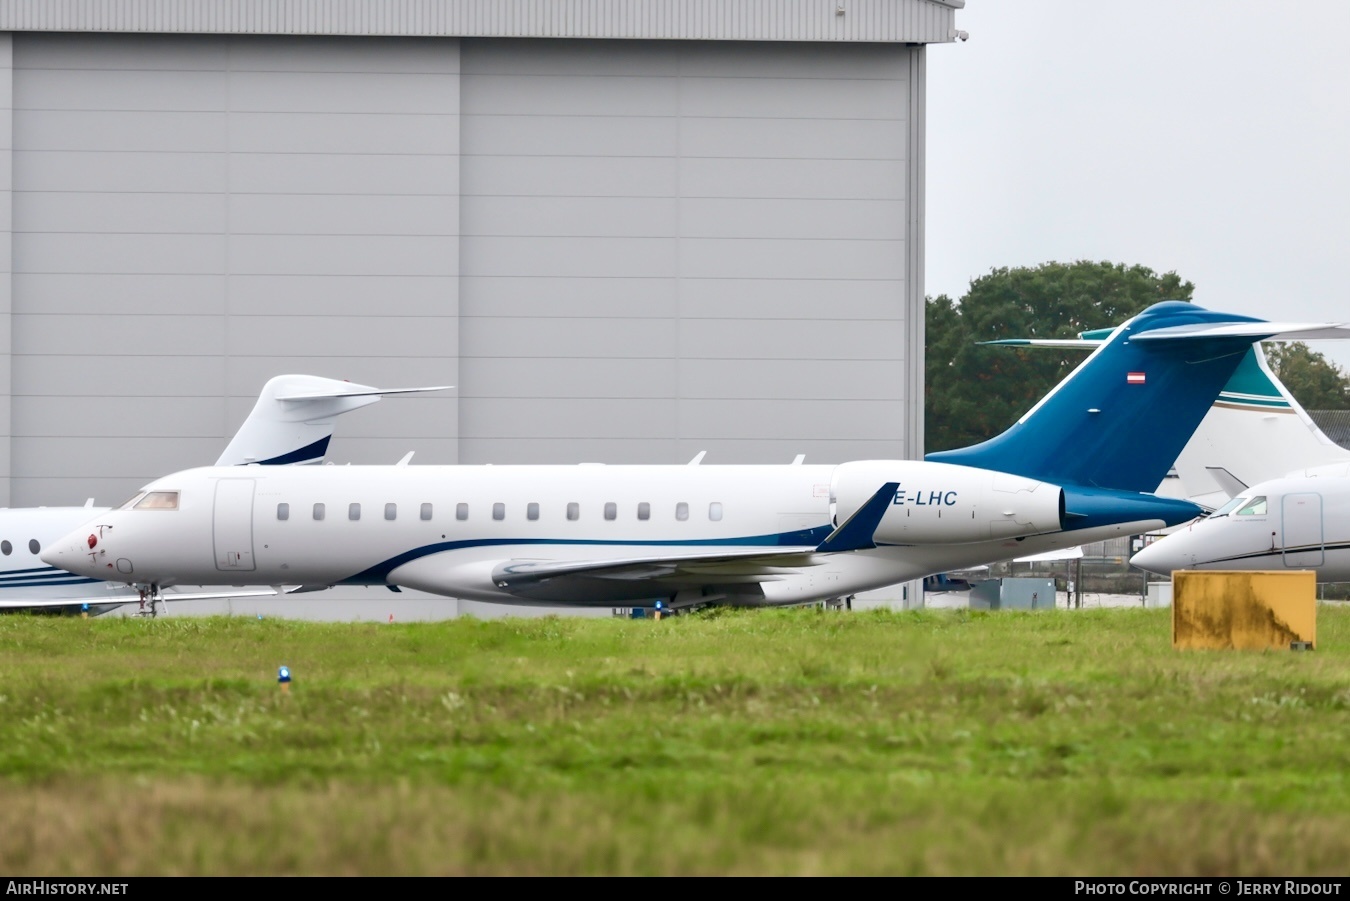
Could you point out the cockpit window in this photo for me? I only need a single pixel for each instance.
(133, 502)
(1255, 507)
(158, 500)
(1229, 507)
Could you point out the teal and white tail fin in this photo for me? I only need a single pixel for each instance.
(292, 421)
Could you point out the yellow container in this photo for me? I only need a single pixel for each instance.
(1251, 610)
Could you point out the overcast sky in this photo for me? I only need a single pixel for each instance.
(1206, 137)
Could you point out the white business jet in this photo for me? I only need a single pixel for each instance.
(1301, 521)
(291, 423)
(1250, 462)
(1076, 468)
(1289, 510)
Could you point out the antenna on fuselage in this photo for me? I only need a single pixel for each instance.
(698, 458)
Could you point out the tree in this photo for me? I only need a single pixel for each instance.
(1316, 382)
(974, 392)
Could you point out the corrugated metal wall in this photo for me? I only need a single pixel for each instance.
(674, 247)
(618, 251)
(901, 21)
(192, 215)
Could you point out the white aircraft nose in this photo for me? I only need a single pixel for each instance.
(61, 555)
(1159, 558)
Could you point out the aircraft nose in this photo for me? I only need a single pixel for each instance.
(1160, 558)
(63, 554)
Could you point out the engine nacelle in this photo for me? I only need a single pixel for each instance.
(941, 503)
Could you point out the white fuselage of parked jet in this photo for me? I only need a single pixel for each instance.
(1075, 468)
(576, 534)
(291, 423)
(1297, 522)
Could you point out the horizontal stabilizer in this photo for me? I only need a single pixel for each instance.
(1272, 331)
(356, 391)
(1084, 343)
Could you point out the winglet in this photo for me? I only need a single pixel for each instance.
(857, 531)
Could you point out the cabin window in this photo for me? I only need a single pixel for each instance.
(499, 511)
(715, 511)
(426, 512)
(6, 548)
(611, 510)
(158, 500)
(574, 511)
(391, 511)
(1255, 507)
(461, 512)
(353, 511)
(283, 511)
(33, 546)
(532, 511)
(644, 510)
(681, 511)
(318, 511)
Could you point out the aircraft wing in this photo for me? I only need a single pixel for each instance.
(750, 565)
(43, 603)
(1070, 553)
(115, 600)
(171, 595)
(715, 573)
(712, 571)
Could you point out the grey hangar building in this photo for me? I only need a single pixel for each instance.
(626, 231)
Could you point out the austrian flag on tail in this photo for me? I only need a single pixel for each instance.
(1134, 378)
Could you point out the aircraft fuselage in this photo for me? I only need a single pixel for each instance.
(602, 534)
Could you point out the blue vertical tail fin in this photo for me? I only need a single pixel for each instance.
(1121, 418)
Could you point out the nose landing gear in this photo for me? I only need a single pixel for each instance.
(151, 601)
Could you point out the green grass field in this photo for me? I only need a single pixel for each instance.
(730, 742)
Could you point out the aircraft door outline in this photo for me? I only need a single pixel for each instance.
(232, 533)
(1301, 521)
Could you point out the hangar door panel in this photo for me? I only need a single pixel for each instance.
(691, 219)
(194, 214)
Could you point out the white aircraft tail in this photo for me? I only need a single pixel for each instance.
(1254, 432)
(292, 421)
